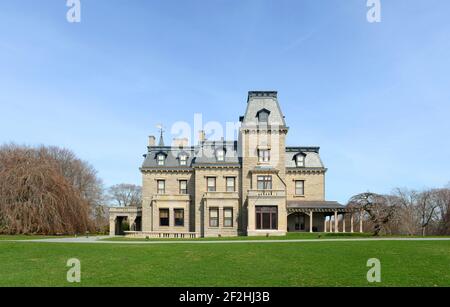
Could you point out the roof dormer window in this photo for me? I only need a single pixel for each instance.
(263, 116)
(161, 159)
(220, 155)
(183, 160)
(300, 160)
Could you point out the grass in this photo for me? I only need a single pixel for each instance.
(28, 237)
(404, 263)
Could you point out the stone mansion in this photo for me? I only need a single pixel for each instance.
(253, 186)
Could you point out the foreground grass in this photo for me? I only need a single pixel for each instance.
(404, 263)
(29, 237)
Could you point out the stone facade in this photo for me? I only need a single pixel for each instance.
(253, 186)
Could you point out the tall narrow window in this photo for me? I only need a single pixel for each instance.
(161, 186)
(263, 116)
(161, 159)
(163, 217)
(211, 184)
(231, 184)
(266, 218)
(264, 182)
(228, 217)
(183, 187)
(264, 155)
(213, 217)
(300, 187)
(179, 217)
(183, 160)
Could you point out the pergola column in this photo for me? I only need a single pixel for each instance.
(351, 223)
(343, 223)
(325, 225)
(336, 222)
(361, 222)
(311, 221)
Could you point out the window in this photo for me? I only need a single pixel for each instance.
(183, 187)
(264, 155)
(264, 182)
(161, 187)
(161, 159)
(163, 217)
(211, 184)
(300, 159)
(179, 217)
(231, 184)
(266, 218)
(300, 187)
(183, 160)
(214, 217)
(263, 116)
(220, 154)
(228, 217)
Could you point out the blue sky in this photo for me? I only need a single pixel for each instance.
(375, 97)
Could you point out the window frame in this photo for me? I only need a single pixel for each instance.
(207, 184)
(220, 157)
(300, 160)
(263, 155)
(267, 182)
(175, 211)
(165, 218)
(302, 188)
(183, 160)
(161, 160)
(181, 190)
(234, 184)
(211, 218)
(160, 191)
(228, 219)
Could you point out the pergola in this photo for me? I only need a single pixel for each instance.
(329, 208)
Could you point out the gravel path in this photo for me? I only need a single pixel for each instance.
(98, 240)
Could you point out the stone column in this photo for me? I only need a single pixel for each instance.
(310, 221)
(336, 222)
(343, 223)
(351, 223)
(330, 222)
(361, 222)
(325, 225)
(112, 226)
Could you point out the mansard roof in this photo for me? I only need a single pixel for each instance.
(201, 155)
(259, 101)
(312, 157)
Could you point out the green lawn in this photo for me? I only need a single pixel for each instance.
(30, 237)
(404, 263)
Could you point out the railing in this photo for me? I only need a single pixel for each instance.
(161, 235)
(266, 193)
(172, 197)
(221, 195)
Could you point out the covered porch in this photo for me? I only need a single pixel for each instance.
(124, 219)
(321, 216)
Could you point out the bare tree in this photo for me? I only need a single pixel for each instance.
(426, 208)
(46, 191)
(441, 199)
(379, 208)
(125, 195)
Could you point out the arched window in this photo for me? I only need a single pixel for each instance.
(263, 116)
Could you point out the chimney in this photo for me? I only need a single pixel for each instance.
(180, 142)
(151, 141)
(201, 136)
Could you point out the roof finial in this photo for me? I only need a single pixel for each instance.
(161, 138)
